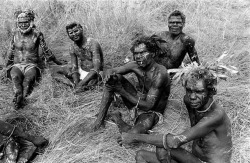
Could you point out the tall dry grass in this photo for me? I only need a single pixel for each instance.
(56, 113)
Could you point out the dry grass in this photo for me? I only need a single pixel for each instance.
(55, 112)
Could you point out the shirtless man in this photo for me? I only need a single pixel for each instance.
(210, 127)
(16, 145)
(23, 57)
(90, 56)
(177, 44)
(148, 100)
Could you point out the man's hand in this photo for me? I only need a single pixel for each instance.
(108, 74)
(127, 138)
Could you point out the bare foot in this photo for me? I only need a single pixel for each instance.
(39, 141)
(127, 138)
(115, 116)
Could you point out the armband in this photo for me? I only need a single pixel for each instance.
(164, 140)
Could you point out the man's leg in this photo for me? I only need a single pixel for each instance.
(182, 156)
(108, 96)
(11, 151)
(17, 80)
(144, 122)
(7, 129)
(29, 80)
(143, 156)
(27, 149)
(61, 74)
(162, 156)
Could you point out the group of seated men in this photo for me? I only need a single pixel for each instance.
(210, 127)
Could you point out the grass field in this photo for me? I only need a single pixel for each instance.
(56, 113)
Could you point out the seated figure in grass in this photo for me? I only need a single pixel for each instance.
(16, 146)
(148, 100)
(85, 51)
(23, 57)
(210, 127)
(177, 44)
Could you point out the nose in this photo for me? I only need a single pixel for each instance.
(192, 96)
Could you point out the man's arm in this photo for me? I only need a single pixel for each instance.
(153, 95)
(11, 52)
(201, 129)
(97, 61)
(49, 56)
(190, 46)
(74, 65)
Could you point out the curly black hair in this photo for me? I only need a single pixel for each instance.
(202, 73)
(30, 13)
(152, 43)
(178, 13)
(72, 25)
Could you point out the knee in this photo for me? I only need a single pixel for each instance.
(139, 157)
(30, 76)
(162, 154)
(16, 78)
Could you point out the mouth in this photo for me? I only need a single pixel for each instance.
(194, 104)
(139, 62)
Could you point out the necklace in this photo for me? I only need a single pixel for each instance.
(203, 111)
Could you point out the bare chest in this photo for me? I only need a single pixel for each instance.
(145, 80)
(26, 43)
(175, 49)
(83, 53)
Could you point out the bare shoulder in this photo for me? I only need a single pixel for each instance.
(92, 42)
(162, 34)
(186, 39)
(218, 114)
(162, 75)
(37, 32)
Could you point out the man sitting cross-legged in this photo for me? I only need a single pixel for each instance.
(16, 145)
(151, 96)
(210, 128)
(85, 51)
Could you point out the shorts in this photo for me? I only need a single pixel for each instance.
(83, 73)
(24, 68)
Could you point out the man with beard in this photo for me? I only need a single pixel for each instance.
(177, 44)
(148, 100)
(90, 56)
(210, 127)
(16, 145)
(23, 57)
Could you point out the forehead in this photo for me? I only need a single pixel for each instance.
(195, 84)
(74, 28)
(175, 18)
(23, 20)
(140, 47)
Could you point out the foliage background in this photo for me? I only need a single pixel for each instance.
(56, 113)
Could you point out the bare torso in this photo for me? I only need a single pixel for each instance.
(215, 146)
(86, 54)
(26, 47)
(176, 49)
(148, 79)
